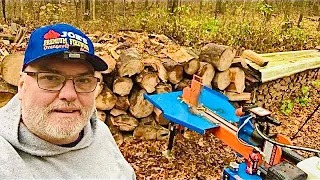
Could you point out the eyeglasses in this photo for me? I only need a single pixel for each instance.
(55, 82)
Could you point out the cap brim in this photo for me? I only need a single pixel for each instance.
(97, 63)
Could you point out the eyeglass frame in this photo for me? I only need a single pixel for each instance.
(67, 77)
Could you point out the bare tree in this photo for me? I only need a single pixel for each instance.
(86, 10)
(94, 9)
(172, 4)
(4, 10)
(301, 13)
(146, 3)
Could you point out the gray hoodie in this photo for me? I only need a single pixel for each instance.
(24, 155)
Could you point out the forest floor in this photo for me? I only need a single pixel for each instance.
(198, 156)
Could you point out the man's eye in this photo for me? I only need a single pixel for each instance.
(51, 78)
(84, 80)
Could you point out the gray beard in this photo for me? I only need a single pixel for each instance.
(38, 122)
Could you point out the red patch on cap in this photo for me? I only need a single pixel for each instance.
(51, 35)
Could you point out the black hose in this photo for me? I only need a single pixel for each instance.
(284, 145)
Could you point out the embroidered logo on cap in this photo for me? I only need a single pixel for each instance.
(51, 35)
(54, 40)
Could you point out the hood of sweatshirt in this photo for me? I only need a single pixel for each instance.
(17, 134)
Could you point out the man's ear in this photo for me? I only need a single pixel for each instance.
(20, 86)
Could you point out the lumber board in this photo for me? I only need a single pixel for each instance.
(284, 64)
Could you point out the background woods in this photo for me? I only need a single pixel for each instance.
(264, 26)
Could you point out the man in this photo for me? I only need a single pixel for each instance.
(50, 128)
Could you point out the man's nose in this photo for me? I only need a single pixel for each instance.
(68, 92)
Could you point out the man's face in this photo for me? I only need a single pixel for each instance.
(59, 116)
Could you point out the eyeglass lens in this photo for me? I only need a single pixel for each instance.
(55, 82)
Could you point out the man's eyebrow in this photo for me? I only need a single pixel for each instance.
(46, 69)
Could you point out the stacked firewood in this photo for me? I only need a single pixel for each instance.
(148, 63)
(142, 63)
(138, 63)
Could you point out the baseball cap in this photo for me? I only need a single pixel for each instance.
(61, 39)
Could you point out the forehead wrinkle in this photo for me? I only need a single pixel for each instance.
(46, 68)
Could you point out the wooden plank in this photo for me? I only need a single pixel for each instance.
(283, 64)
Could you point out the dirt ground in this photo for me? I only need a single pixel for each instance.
(198, 156)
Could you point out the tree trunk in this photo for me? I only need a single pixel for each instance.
(146, 3)
(4, 10)
(94, 9)
(86, 16)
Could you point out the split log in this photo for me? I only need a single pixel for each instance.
(254, 57)
(145, 132)
(110, 61)
(163, 134)
(163, 88)
(240, 62)
(117, 112)
(7, 91)
(148, 81)
(139, 107)
(125, 122)
(219, 56)
(130, 62)
(192, 66)
(221, 80)
(118, 137)
(99, 87)
(157, 66)
(174, 69)
(176, 74)
(158, 116)
(237, 76)
(245, 96)
(180, 56)
(148, 121)
(113, 129)
(122, 103)
(106, 100)
(11, 67)
(206, 72)
(182, 84)
(122, 86)
(101, 115)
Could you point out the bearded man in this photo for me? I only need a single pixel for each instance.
(50, 128)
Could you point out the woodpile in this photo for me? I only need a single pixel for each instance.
(149, 63)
